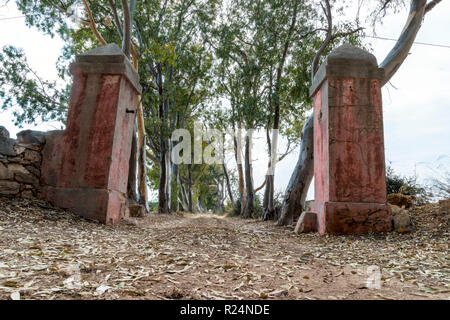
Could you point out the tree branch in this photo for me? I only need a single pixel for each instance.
(327, 40)
(431, 5)
(400, 51)
(92, 23)
(260, 187)
(126, 41)
(117, 22)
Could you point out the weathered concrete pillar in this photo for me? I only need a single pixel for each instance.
(349, 164)
(85, 167)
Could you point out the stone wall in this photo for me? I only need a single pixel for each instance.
(20, 163)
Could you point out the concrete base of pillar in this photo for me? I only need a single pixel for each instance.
(89, 203)
(352, 217)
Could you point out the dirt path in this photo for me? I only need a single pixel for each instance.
(48, 253)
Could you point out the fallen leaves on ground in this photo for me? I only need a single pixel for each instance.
(48, 253)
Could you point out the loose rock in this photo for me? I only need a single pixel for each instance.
(307, 222)
(136, 210)
(31, 137)
(400, 200)
(4, 134)
(401, 219)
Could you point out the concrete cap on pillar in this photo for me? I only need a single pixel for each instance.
(109, 53)
(348, 53)
(108, 59)
(347, 61)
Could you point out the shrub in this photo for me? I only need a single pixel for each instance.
(407, 186)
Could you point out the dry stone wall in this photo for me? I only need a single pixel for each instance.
(20, 163)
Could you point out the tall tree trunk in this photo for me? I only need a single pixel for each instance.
(269, 211)
(163, 196)
(175, 188)
(219, 203)
(250, 201)
(142, 168)
(297, 189)
(168, 175)
(238, 156)
(132, 183)
(184, 197)
(174, 185)
(190, 204)
(227, 180)
(163, 181)
(269, 148)
(268, 203)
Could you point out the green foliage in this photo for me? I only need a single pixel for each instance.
(153, 206)
(258, 209)
(26, 93)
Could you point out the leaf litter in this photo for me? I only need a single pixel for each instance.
(49, 253)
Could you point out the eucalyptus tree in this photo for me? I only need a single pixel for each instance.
(286, 29)
(174, 43)
(240, 51)
(297, 189)
(265, 48)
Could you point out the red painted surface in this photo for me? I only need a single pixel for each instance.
(85, 167)
(349, 164)
(121, 148)
(103, 205)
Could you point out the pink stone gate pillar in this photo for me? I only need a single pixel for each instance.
(85, 167)
(349, 164)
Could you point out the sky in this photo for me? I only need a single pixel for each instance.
(416, 104)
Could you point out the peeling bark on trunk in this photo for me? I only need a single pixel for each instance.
(295, 195)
